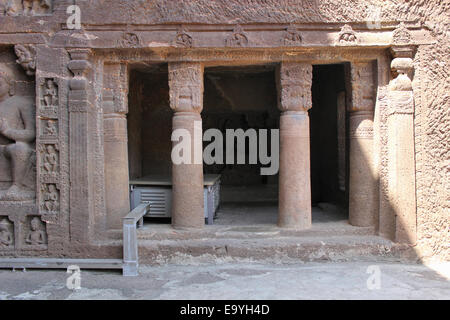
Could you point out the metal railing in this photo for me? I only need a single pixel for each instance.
(130, 245)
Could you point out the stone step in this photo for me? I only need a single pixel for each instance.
(275, 250)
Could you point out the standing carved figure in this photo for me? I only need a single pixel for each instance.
(50, 160)
(50, 93)
(36, 236)
(17, 134)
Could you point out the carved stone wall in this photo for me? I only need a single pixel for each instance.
(67, 199)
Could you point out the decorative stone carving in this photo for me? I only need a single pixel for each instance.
(186, 87)
(50, 198)
(28, 7)
(50, 128)
(401, 35)
(183, 38)
(27, 57)
(49, 94)
(6, 233)
(36, 236)
(363, 93)
(291, 37)
(296, 82)
(50, 159)
(238, 38)
(347, 36)
(17, 135)
(129, 40)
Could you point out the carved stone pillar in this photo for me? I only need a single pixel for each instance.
(294, 209)
(80, 112)
(362, 182)
(115, 144)
(400, 124)
(186, 99)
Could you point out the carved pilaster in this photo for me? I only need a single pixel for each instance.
(400, 140)
(80, 107)
(294, 85)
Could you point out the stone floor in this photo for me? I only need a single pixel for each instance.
(238, 281)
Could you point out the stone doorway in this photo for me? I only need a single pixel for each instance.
(329, 143)
(243, 97)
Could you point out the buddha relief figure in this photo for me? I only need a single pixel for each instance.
(50, 128)
(50, 195)
(36, 236)
(6, 237)
(17, 134)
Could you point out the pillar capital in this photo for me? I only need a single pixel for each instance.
(295, 81)
(363, 87)
(186, 86)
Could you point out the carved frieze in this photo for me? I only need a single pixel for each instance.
(48, 145)
(238, 38)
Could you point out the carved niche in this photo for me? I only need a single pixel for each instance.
(25, 7)
(6, 233)
(35, 235)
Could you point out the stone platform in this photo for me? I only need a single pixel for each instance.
(248, 232)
